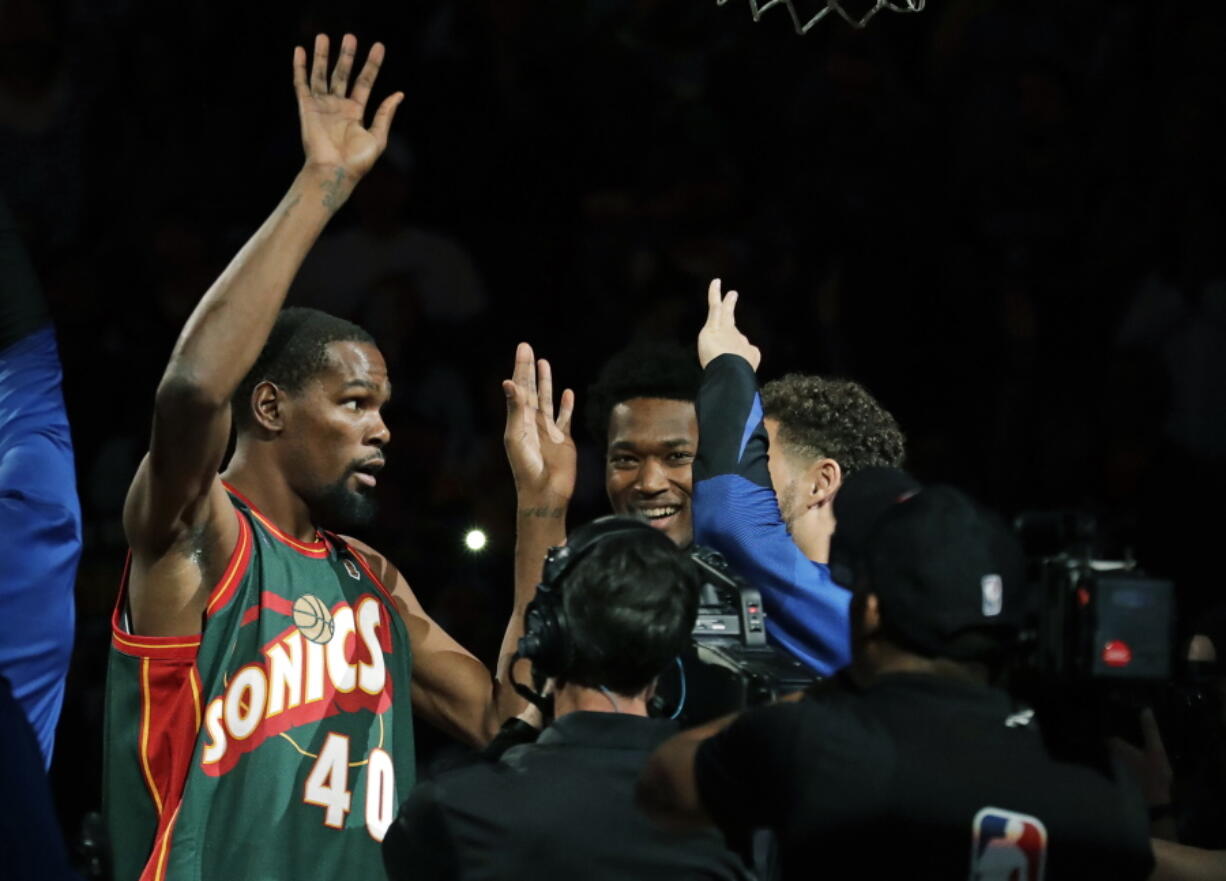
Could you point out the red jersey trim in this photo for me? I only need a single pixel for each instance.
(357, 555)
(267, 600)
(197, 699)
(182, 647)
(161, 647)
(224, 590)
(317, 549)
(146, 717)
(155, 869)
(167, 738)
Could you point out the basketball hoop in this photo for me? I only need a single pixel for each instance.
(802, 27)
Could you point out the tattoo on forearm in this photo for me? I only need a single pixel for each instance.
(544, 512)
(289, 206)
(333, 195)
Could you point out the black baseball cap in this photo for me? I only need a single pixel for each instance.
(865, 496)
(940, 565)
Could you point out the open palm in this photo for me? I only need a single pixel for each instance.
(331, 115)
(539, 445)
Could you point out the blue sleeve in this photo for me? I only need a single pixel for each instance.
(737, 514)
(40, 531)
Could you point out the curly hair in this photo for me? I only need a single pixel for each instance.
(834, 418)
(296, 350)
(642, 370)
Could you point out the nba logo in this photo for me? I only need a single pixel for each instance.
(1007, 846)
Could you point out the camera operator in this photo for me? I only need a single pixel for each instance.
(613, 609)
(917, 766)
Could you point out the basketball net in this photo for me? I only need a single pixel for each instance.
(802, 27)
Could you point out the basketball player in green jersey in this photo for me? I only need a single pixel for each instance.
(258, 718)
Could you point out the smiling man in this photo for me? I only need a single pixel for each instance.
(258, 698)
(642, 407)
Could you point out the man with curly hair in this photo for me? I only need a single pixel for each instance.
(767, 471)
(820, 432)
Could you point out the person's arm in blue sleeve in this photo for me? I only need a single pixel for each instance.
(40, 517)
(735, 509)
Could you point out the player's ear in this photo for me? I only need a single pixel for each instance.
(268, 407)
(822, 480)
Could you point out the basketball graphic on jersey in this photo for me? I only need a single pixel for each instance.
(313, 618)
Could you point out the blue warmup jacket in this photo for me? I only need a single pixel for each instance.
(40, 532)
(737, 514)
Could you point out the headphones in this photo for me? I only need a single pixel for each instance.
(548, 641)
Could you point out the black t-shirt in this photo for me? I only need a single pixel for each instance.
(920, 777)
(562, 808)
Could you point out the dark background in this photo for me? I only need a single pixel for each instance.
(1005, 218)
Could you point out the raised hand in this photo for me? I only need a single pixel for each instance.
(720, 336)
(333, 135)
(539, 446)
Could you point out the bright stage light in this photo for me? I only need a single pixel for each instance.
(475, 540)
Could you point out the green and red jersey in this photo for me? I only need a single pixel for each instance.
(275, 744)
